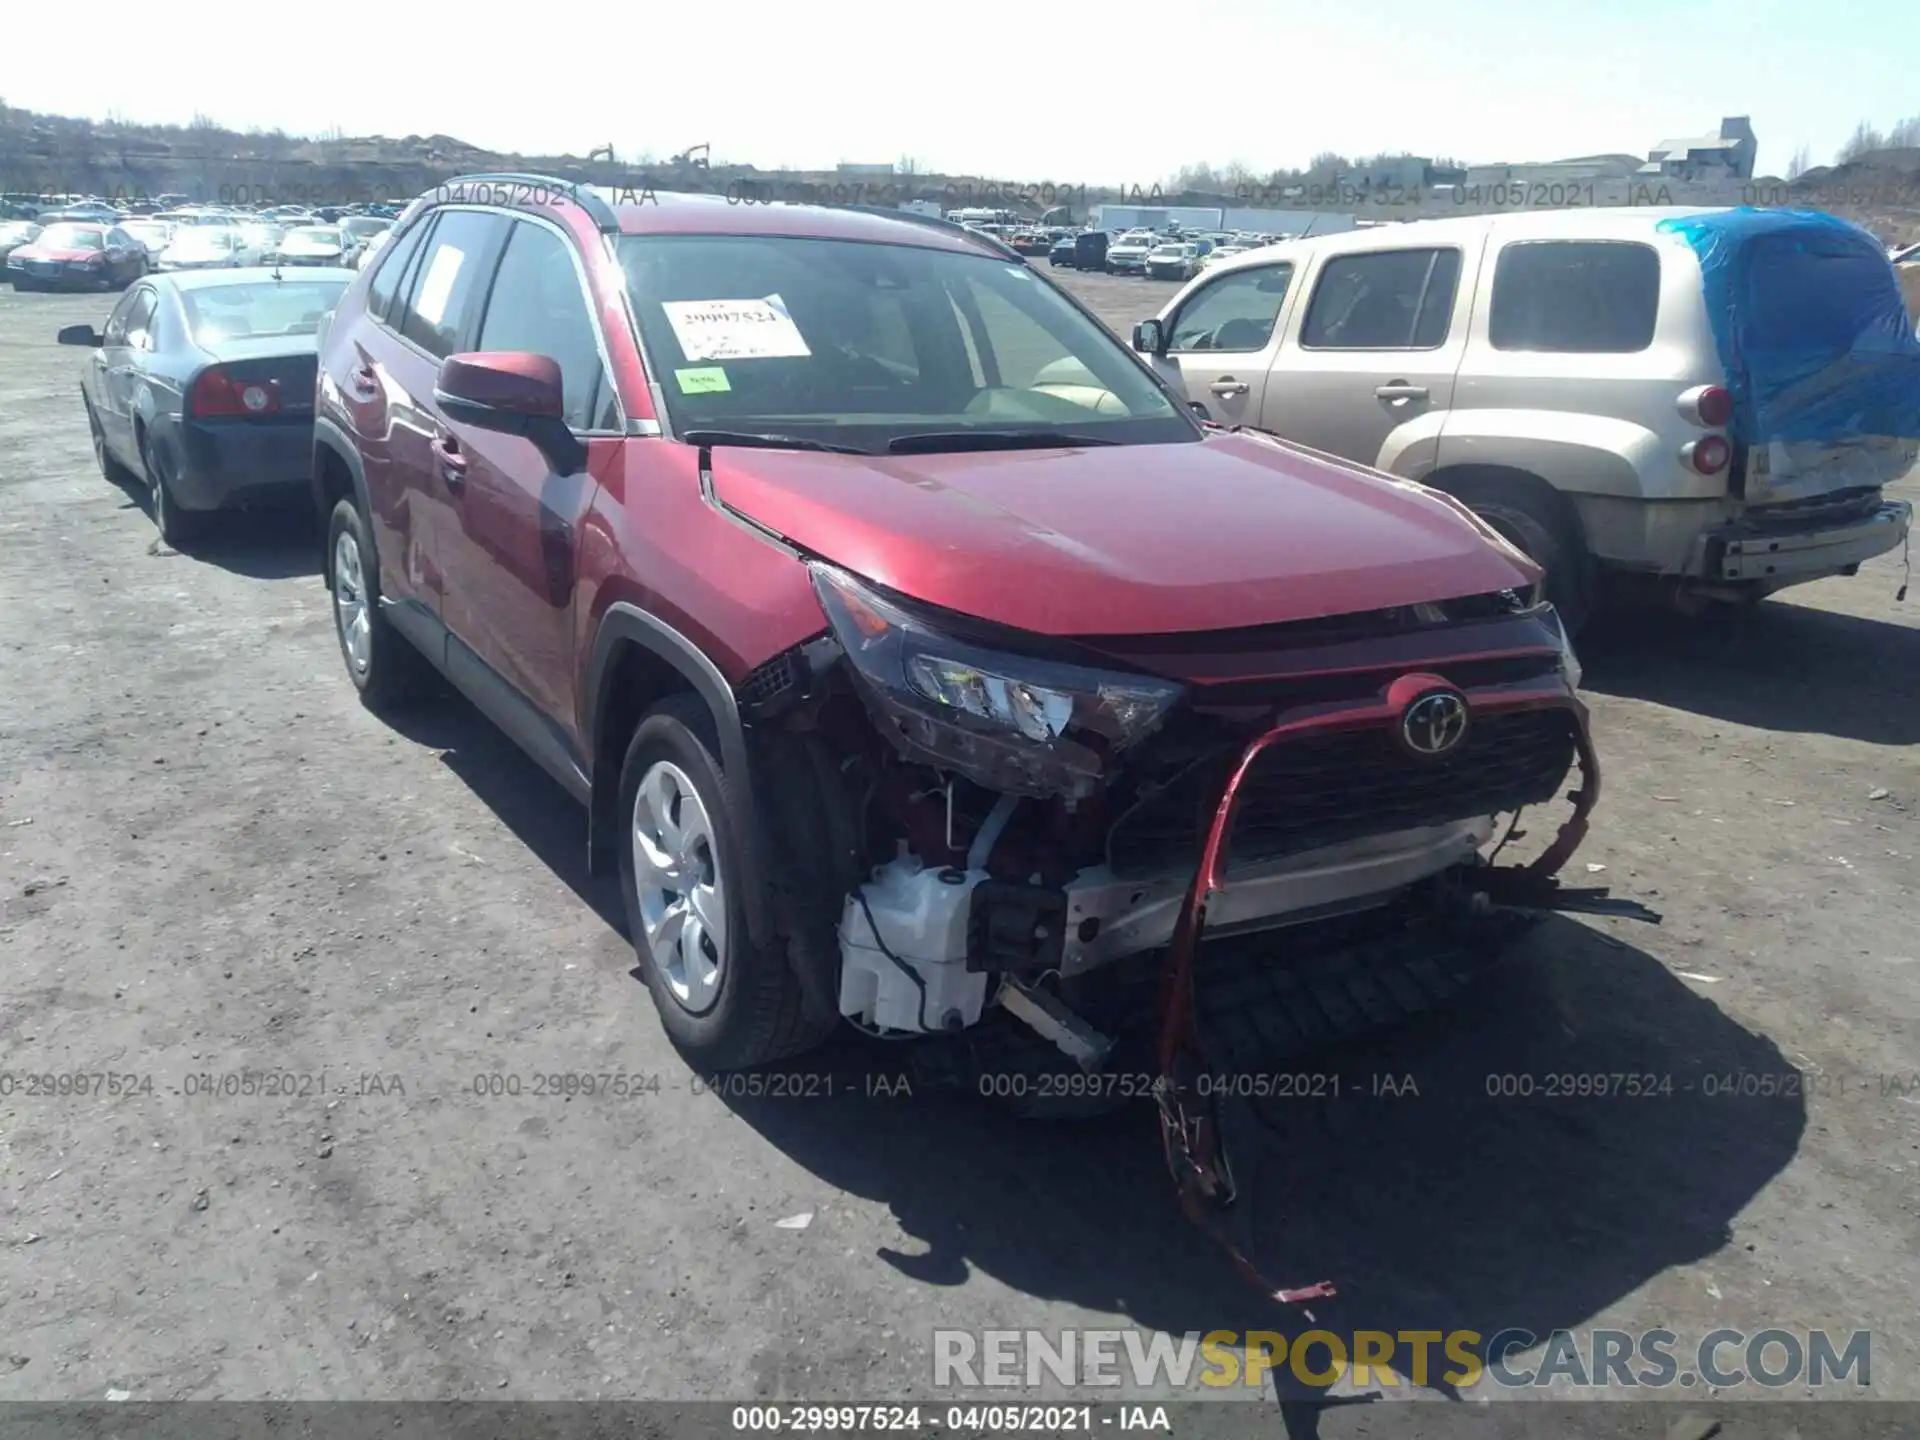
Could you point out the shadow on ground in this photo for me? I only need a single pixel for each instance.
(279, 543)
(1430, 1203)
(542, 816)
(1779, 666)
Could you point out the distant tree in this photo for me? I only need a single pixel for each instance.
(1200, 178)
(203, 121)
(1863, 139)
(1328, 162)
(1905, 135)
(907, 165)
(1801, 162)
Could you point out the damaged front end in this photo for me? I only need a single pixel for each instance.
(1028, 840)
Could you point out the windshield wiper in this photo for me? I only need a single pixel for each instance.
(944, 440)
(767, 442)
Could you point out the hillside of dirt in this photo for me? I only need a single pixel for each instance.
(44, 154)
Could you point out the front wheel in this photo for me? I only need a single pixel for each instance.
(726, 1003)
(1534, 525)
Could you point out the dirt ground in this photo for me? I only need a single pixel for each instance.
(213, 860)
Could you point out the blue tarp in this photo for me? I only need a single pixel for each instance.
(1810, 325)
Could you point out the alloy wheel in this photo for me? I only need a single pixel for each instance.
(681, 892)
(350, 613)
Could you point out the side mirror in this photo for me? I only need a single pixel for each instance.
(515, 393)
(80, 335)
(1150, 338)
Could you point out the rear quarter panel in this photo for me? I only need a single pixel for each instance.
(1601, 425)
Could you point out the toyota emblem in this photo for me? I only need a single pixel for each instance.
(1435, 723)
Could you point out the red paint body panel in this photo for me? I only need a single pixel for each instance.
(1228, 531)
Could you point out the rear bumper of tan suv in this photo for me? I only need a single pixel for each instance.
(1773, 553)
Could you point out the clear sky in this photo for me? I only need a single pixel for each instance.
(1087, 91)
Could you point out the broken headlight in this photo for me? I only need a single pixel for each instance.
(1013, 723)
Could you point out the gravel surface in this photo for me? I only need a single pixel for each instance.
(213, 860)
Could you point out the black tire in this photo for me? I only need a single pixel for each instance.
(395, 672)
(1538, 525)
(758, 1014)
(111, 470)
(177, 527)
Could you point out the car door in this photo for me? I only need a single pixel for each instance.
(1366, 365)
(431, 318)
(114, 364)
(509, 559)
(1221, 340)
(125, 256)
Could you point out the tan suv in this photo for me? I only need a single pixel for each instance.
(1601, 394)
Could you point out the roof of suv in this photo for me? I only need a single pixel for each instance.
(643, 210)
(660, 212)
(1600, 222)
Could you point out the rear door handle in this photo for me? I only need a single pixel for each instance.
(1227, 386)
(453, 465)
(1400, 390)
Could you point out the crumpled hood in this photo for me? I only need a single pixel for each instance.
(1142, 539)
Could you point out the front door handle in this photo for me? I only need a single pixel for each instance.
(453, 465)
(1400, 390)
(1226, 387)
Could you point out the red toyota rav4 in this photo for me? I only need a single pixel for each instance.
(921, 660)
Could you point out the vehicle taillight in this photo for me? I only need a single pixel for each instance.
(218, 393)
(1708, 405)
(1709, 454)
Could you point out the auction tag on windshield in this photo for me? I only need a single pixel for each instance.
(707, 380)
(735, 329)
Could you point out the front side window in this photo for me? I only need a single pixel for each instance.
(115, 330)
(868, 344)
(537, 306)
(390, 267)
(1237, 312)
(1594, 297)
(1389, 300)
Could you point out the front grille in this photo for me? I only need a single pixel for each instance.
(1330, 788)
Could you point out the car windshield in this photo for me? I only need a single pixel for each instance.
(17, 231)
(205, 237)
(861, 344)
(268, 307)
(73, 237)
(362, 226)
(314, 235)
(147, 230)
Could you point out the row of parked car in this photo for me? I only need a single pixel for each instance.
(82, 248)
(1156, 255)
(1064, 649)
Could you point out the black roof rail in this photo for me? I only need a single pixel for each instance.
(939, 222)
(579, 191)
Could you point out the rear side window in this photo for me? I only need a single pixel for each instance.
(537, 306)
(1591, 297)
(449, 280)
(1389, 300)
(391, 270)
